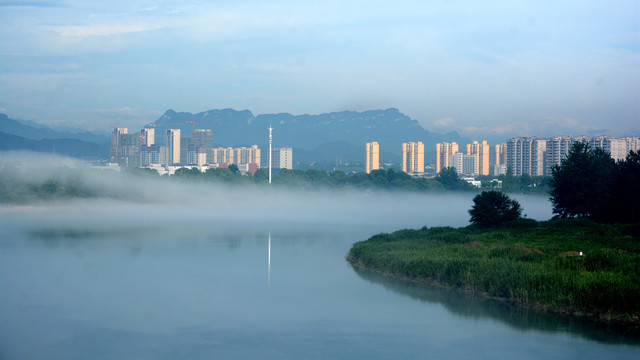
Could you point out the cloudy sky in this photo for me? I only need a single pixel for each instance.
(490, 68)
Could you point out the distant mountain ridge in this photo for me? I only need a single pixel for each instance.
(36, 131)
(389, 127)
(328, 137)
(15, 135)
(70, 147)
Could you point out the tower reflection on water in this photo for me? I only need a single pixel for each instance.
(269, 261)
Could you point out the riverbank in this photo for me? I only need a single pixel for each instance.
(564, 266)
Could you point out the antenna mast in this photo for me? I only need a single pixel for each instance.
(270, 137)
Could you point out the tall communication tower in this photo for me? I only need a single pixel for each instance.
(270, 138)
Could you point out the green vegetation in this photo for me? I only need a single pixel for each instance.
(493, 208)
(66, 186)
(72, 183)
(531, 264)
(589, 183)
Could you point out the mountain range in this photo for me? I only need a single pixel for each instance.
(324, 137)
(22, 135)
(329, 137)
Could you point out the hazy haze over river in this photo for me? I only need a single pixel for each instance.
(202, 271)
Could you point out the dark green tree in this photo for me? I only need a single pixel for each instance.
(187, 174)
(142, 171)
(449, 178)
(492, 208)
(626, 191)
(339, 177)
(582, 185)
(510, 182)
(223, 175)
(261, 176)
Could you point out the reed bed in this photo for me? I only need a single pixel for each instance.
(531, 264)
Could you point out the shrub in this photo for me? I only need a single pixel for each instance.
(493, 208)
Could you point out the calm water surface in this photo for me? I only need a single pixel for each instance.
(123, 288)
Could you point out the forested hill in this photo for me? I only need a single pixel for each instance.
(388, 127)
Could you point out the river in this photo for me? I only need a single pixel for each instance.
(112, 280)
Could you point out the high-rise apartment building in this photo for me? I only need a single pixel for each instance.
(203, 138)
(115, 135)
(240, 156)
(537, 156)
(465, 164)
(616, 147)
(282, 158)
(526, 155)
(116, 152)
(185, 144)
(499, 159)
(172, 141)
(633, 143)
(481, 150)
(444, 155)
(500, 154)
(125, 148)
(245, 155)
(221, 155)
(372, 156)
(147, 136)
(196, 155)
(557, 149)
(413, 157)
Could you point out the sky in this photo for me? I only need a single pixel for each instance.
(494, 69)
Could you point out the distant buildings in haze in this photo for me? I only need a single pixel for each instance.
(444, 155)
(372, 156)
(282, 158)
(141, 150)
(413, 157)
(537, 156)
(533, 156)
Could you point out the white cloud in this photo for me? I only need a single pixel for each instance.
(83, 31)
(476, 64)
(445, 123)
(545, 126)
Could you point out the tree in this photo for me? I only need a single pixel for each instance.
(140, 171)
(626, 193)
(222, 174)
(184, 173)
(448, 177)
(510, 182)
(492, 208)
(261, 176)
(582, 185)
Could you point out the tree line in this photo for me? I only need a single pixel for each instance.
(71, 183)
(588, 183)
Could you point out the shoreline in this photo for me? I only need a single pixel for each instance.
(537, 307)
(583, 291)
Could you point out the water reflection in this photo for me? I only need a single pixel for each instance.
(519, 319)
(269, 261)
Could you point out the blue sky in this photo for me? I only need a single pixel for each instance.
(486, 69)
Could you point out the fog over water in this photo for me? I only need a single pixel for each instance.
(164, 269)
(134, 201)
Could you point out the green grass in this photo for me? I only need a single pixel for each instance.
(522, 263)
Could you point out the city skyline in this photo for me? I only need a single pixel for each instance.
(523, 155)
(490, 70)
